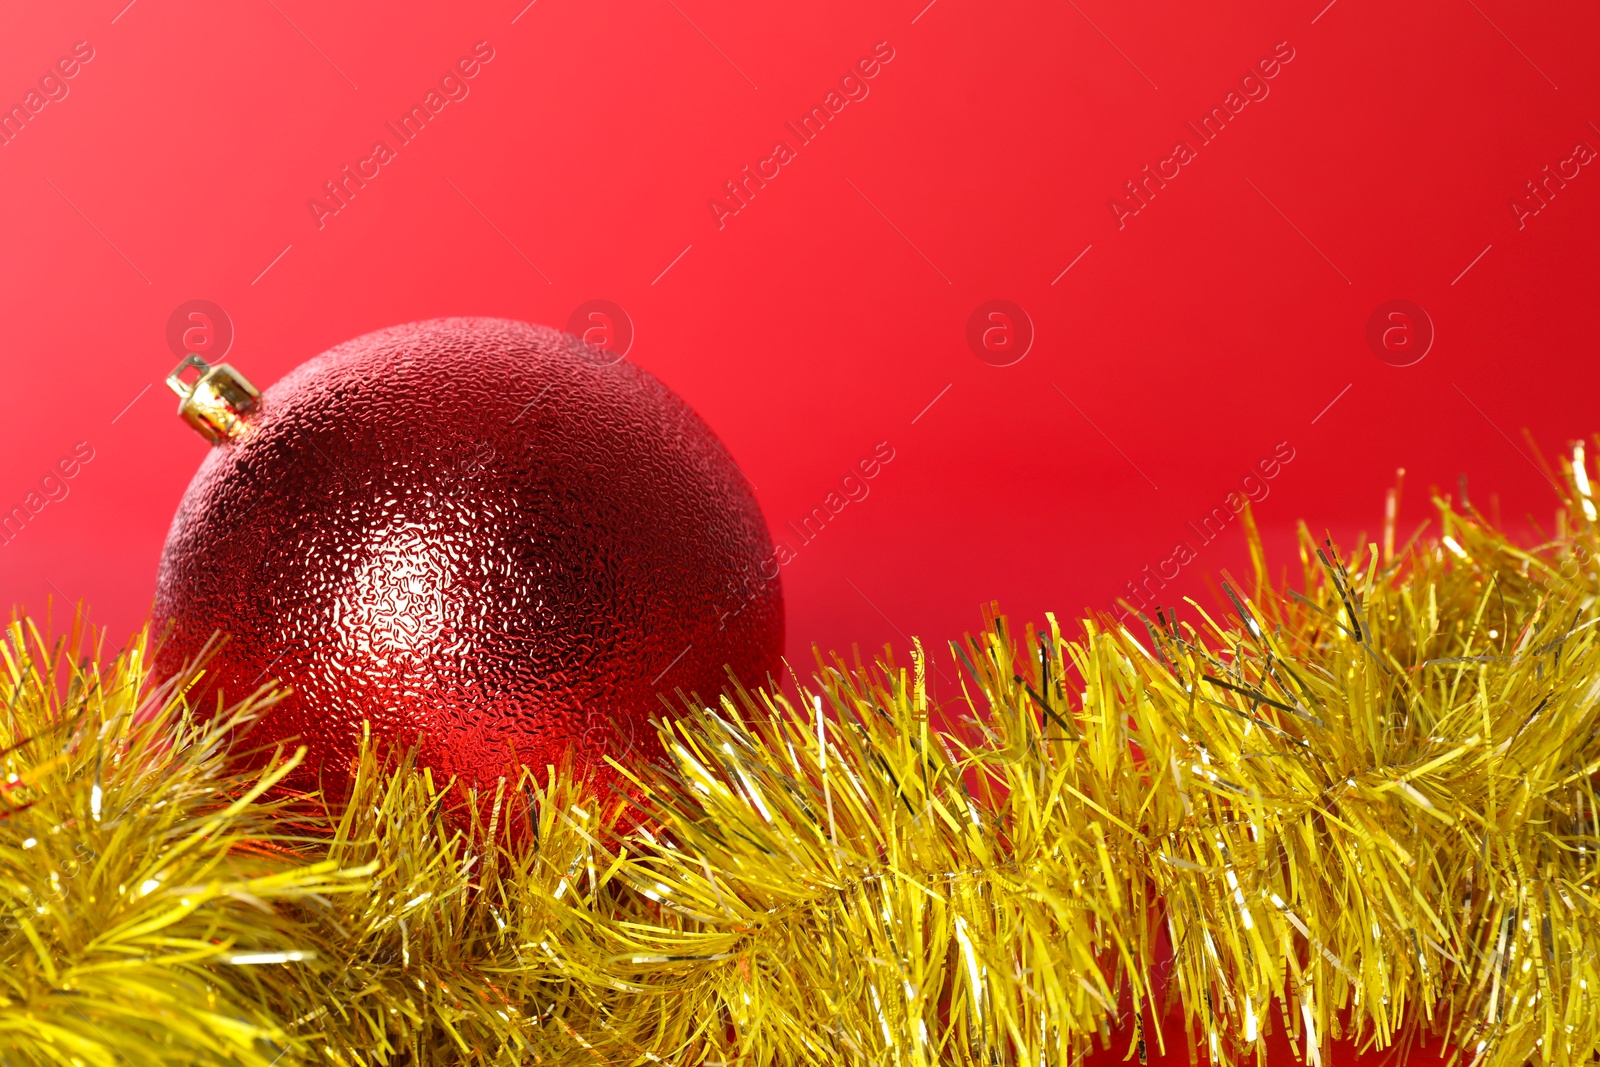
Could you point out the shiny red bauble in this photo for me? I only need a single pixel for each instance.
(479, 536)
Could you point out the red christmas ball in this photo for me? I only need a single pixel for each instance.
(476, 535)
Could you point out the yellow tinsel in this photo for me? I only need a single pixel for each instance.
(1364, 812)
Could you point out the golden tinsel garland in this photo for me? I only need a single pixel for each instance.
(1364, 812)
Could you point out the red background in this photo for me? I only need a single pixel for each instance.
(828, 313)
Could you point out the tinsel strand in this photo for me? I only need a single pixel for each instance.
(1361, 810)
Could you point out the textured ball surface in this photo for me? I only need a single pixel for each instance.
(478, 534)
